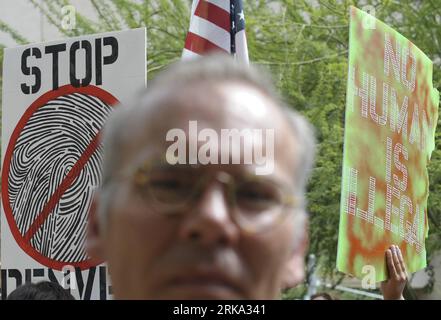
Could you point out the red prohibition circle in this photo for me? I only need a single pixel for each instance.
(19, 238)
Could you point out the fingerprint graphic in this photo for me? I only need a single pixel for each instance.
(48, 147)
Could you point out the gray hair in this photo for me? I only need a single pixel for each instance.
(213, 68)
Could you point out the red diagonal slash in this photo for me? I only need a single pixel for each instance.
(65, 184)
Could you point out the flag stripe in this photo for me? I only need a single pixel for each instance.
(217, 25)
(214, 14)
(200, 45)
(193, 7)
(211, 32)
(187, 54)
(221, 4)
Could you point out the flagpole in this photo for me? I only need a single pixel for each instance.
(233, 28)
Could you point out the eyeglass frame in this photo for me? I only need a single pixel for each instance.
(289, 199)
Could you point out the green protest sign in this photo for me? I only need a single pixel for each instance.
(390, 123)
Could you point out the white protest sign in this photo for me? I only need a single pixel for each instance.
(56, 98)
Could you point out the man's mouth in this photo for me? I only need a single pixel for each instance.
(205, 284)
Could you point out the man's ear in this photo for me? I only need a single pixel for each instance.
(94, 239)
(295, 267)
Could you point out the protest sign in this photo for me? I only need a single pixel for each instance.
(56, 98)
(390, 123)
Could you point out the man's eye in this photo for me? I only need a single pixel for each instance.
(167, 184)
(169, 190)
(252, 196)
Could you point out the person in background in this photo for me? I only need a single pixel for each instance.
(322, 296)
(44, 290)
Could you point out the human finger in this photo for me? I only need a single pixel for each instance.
(390, 264)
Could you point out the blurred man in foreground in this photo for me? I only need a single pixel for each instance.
(175, 226)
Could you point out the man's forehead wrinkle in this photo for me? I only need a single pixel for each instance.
(187, 102)
(208, 98)
(176, 105)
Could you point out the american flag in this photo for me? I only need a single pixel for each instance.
(217, 25)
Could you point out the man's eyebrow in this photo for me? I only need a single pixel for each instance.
(160, 163)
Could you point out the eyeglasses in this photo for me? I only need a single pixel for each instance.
(256, 203)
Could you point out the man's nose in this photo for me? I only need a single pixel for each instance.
(210, 222)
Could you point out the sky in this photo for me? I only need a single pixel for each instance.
(28, 21)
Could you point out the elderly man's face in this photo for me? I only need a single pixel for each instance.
(202, 252)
